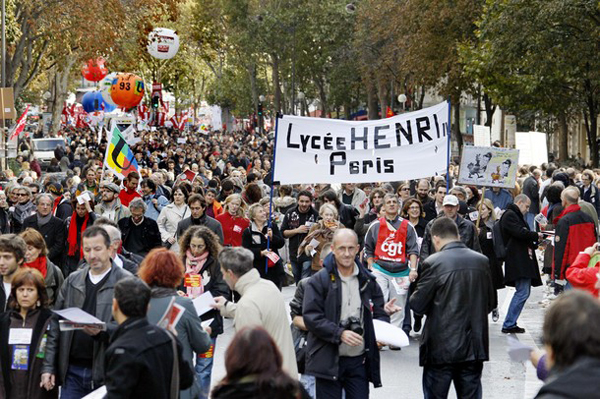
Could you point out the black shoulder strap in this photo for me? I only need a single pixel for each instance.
(175, 372)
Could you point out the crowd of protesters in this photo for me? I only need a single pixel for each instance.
(197, 217)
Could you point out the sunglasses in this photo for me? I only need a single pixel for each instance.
(22, 194)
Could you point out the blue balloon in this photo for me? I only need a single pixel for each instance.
(92, 101)
(89, 101)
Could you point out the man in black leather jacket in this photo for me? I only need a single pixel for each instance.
(455, 292)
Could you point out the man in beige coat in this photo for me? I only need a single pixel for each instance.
(261, 304)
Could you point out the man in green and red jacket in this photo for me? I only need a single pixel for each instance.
(575, 231)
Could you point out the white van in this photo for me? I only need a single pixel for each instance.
(43, 149)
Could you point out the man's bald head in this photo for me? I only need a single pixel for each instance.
(344, 234)
(345, 248)
(570, 195)
(423, 183)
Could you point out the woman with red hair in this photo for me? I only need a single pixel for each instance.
(162, 270)
(253, 365)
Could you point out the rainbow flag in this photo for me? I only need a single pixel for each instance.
(119, 156)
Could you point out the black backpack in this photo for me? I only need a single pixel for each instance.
(498, 240)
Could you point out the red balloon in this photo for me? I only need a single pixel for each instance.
(94, 70)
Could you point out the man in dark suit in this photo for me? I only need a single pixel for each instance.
(50, 227)
(197, 206)
(521, 266)
(140, 234)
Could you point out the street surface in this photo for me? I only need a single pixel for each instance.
(401, 374)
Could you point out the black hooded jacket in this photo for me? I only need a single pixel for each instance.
(322, 311)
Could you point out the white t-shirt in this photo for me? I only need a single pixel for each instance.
(6, 291)
(95, 279)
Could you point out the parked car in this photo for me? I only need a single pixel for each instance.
(43, 149)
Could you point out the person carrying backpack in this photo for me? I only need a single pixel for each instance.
(521, 267)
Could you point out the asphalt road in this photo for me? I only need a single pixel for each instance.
(401, 374)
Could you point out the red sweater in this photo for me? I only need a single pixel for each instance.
(583, 277)
(126, 196)
(233, 227)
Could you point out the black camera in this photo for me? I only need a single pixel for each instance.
(353, 324)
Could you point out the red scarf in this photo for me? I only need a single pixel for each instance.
(56, 203)
(72, 239)
(569, 209)
(40, 264)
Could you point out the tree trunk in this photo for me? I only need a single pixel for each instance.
(489, 110)
(323, 98)
(382, 95)
(591, 126)
(563, 141)
(59, 92)
(251, 68)
(421, 97)
(276, 88)
(456, 131)
(371, 100)
(478, 118)
(347, 112)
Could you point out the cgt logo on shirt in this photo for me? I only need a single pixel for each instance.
(390, 247)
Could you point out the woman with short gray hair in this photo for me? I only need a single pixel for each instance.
(23, 208)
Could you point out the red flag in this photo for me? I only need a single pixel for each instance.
(187, 175)
(389, 113)
(178, 120)
(20, 124)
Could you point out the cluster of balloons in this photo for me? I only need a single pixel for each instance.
(125, 90)
(93, 101)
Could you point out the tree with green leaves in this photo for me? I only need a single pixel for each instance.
(541, 55)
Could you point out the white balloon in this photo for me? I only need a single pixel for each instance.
(163, 43)
(105, 86)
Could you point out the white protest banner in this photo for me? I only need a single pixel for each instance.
(533, 148)
(489, 166)
(403, 147)
(482, 136)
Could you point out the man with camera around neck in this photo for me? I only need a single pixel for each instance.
(342, 351)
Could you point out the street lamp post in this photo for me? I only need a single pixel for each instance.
(261, 124)
(301, 97)
(402, 100)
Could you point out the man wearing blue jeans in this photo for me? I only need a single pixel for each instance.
(521, 267)
(523, 288)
